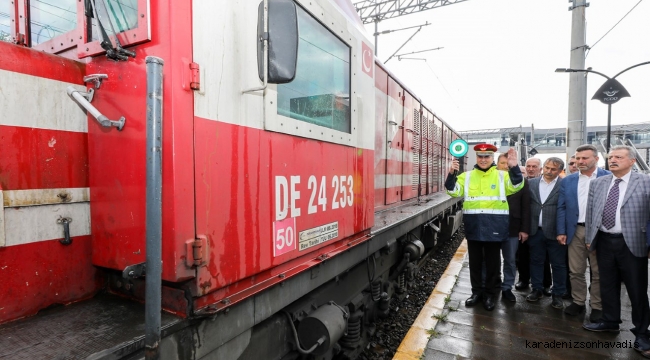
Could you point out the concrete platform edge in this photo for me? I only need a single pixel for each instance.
(415, 341)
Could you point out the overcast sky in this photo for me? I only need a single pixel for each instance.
(499, 57)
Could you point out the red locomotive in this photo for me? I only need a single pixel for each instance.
(301, 182)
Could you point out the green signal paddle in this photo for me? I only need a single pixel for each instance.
(458, 148)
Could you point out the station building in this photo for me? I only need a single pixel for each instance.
(530, 140)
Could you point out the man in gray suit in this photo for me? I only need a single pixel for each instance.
(544, 193)
(618, 209)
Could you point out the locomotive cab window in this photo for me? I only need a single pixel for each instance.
(123, 21)
(58, 27)
(5, 21)
(320, 92)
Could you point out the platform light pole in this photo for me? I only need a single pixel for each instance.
(609, 93)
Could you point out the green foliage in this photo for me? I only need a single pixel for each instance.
(440, 317)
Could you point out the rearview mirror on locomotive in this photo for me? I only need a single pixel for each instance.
(282, 41)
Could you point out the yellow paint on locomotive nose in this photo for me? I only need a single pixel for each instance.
(415, 341)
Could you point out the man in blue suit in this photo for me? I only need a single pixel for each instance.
(571, 213)
(618, 211)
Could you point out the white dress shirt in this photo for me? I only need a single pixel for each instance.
(583, 194)
(544, 190)
(622, 187)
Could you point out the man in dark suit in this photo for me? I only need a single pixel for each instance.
(519, 218)
(618, 210)
(533, 170)
(571, 214)
(544, 194)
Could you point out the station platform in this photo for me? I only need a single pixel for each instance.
(446, 329)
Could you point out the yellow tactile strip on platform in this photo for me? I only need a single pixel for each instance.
(415, 341)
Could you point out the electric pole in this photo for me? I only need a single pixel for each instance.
(576, 130)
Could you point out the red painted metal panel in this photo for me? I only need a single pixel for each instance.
(27, 61)
(37, 275)
(42, 159)
(381, 142)
(394, 135)
(410, 149)
(237, 178)
(117, 158)
(381, 79)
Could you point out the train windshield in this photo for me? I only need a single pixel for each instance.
(51, 19)
(117, 16)
(320, 92)
(5, 21)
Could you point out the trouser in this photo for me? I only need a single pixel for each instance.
(578, 255)
(487, 252)
(539, 247)
(617, 263)
(509, 251)
(523, 265)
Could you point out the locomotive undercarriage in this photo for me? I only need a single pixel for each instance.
(344, 295)
(336, 302)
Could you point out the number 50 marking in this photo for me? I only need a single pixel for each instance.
(284, 236)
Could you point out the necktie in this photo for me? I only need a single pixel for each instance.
(609, 213)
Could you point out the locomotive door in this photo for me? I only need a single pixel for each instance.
(437, 154)
(410, 147)
(381, 141)
(428, 142)
(394, 131)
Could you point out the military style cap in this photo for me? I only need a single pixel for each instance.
(485, 149)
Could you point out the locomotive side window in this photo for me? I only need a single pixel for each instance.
(320, 92)
(49, 19)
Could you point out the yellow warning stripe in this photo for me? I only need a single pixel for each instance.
(415, 341)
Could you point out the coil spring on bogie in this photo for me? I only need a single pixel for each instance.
(375, 289)
(401, 282)
(354, 332)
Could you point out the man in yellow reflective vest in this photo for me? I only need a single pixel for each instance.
(485, 216)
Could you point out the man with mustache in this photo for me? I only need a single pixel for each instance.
(571, 214)
(544, 193)
(618, 211)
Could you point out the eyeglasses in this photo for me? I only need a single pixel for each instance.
(572, 163)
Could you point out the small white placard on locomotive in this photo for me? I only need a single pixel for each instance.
(318, 235)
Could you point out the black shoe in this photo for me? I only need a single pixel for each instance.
(557, 302)
(534, 295)
(508, 295)
(596, 315)
(521, 285)
(574, 309)
(488, 302)
(642, 343)
(601, 327)
(548, 291)
(473, 300)
(567, 296)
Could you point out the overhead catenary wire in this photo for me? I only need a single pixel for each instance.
(441, 84)
(608, 31)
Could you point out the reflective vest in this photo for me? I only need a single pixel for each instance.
(485, 209)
